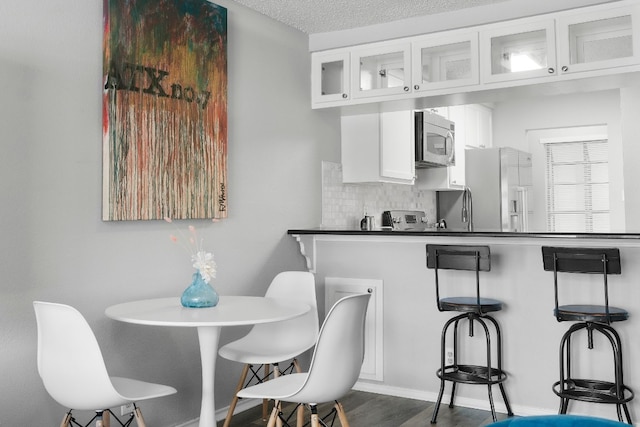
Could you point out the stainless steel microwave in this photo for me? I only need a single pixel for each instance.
(434, 140)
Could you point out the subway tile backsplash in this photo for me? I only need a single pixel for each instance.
(344, 205)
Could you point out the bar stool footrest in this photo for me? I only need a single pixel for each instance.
(472, 374)
(595, 391)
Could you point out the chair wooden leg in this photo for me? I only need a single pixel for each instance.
(297, 366)
(106, 419)
(139, 419)
(315, 422)
(342, 416)
(300, 416)
(274, 414)
(66, 420)
(234, 401)
(265, 402)
(276, 374)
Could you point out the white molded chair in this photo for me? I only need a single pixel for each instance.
(335, 366)
(73, 371)
(271, 343)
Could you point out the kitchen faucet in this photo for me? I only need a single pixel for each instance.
(467, 208)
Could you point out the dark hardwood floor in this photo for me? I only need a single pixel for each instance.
(376, 410)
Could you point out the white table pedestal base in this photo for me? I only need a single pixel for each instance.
(208, 336)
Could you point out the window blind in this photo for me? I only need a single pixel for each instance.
(577, 181)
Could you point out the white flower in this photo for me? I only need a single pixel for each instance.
(202, 260)
(204, 263)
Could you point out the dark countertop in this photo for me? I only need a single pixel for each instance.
(453, 233)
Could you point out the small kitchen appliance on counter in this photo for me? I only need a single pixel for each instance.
(404, 220)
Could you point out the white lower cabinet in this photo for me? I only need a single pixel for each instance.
(339, 287)
(378, 147)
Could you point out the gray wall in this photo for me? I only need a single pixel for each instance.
(54, 245)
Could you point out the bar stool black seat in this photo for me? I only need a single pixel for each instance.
(604, 261)
(473, 309)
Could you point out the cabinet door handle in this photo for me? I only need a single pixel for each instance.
(416, 87)
(551, 70)
(565, 68)
(344, 95)
(406, 88)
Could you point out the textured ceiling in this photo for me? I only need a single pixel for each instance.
(318, 16)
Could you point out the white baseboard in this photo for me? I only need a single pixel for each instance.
(242, 406)
(460, 401)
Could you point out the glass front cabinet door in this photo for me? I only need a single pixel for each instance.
(381, 70)
(330, 77)
(445, 61)
(597, 40)
(518, 51)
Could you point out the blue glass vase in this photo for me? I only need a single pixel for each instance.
(199, 294)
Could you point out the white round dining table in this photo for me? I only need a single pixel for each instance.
(230, 311)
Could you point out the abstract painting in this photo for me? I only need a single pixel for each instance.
(164, 110)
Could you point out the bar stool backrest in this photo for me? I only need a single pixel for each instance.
(604, 261)
(458, 257)
(581, 260)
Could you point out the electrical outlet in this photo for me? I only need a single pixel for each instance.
(448, 356)
(126, 409)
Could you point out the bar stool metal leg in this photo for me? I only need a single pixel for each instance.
(570, 388)
(467, 373)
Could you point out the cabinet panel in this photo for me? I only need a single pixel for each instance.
(478, 126)
(456, 175)
(360, 135)
(445, 61)
(330, 77)
(381, 70)
(396, 137)
(596, 40)
(518, 51)
(378, 147)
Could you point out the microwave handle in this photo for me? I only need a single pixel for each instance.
(448, 141)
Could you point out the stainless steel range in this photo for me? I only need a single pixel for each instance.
(404, 220)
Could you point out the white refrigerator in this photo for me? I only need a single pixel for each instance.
(500, 181)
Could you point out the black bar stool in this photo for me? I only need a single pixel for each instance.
(473, 309)
(590, 318)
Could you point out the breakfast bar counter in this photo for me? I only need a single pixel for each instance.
(439, 232)
(410, 323)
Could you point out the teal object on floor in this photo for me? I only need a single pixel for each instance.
(557, 421)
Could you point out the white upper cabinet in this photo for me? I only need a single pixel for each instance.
(516, 51)
(378, 147)
(397, 154)
(445, 61)
(478, 126)
(330, 77)
(597, 40)
(594, 41)
(381, 70)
